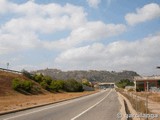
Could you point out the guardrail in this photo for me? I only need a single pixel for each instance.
(12, 71)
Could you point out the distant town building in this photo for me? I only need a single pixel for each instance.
(147, 83)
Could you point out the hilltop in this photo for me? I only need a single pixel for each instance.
(91, 75)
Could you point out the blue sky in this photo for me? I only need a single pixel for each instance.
(111, 35)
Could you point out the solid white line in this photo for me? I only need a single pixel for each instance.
(64, 103)
(34, 111)
(91, 106)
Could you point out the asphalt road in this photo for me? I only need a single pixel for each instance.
(103, 105)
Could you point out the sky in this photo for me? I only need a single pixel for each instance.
(112, 35)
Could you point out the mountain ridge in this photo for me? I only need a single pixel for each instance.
(91, 75)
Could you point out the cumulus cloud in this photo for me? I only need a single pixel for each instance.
(31, 20)
(89, 32)
(146, 13)
(136, 55)
(93, 3)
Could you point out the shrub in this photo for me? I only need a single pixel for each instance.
(56, 85)
(73, 86)
(26, 85)
(47, 79)
(38, 78)
(18, 84)
(86, 82)
(44, 85)
(123, 83)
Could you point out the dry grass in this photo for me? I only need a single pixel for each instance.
(8, 103)
(12, 100)
(6, 83)
(137, 104)
(152, 96)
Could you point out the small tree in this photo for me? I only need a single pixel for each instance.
(24, 85)
(56, 85)
(16, 84)
(73, 86)
(27, 85)
(47, 79)
(123, 83)
(86, 82)
(38, 78)
(44, 85)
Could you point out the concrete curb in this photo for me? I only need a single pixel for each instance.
(41, 105)
(122, 110)
(131, 109)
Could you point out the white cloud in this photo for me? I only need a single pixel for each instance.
(31, 20)
(141, 55)
(89, 32)
(146, 13)
(93, 3)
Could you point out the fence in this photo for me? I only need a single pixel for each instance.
(12, 71)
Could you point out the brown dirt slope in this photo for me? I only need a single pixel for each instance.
(6, 84)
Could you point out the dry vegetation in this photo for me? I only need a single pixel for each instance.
(6, 83)
(137, 104)
(12, 100)
(8, 103)
(152, 96)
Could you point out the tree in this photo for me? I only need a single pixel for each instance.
(85, 82)
(56, 85)
(38, 78)
(73, 86)
(123, 83)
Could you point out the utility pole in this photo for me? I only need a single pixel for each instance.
(7, 65)
(147, 99)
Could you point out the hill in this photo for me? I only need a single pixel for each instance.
(91, 75)
(6, 79)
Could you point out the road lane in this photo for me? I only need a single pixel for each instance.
(61, 111)
(106, 110)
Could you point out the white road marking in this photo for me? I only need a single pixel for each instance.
(59, 104)
(35, 111)
(91, 106)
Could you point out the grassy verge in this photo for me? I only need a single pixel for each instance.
(152, 96)
(137, 104)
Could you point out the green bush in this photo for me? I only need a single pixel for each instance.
(26, 85)
(73, 86)
(18, 84)
(44, 85)
(38, 78)
(123, 83)
(56, 85)
(47, 79)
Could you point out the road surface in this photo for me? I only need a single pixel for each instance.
(103, 105)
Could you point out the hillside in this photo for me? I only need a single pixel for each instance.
(91, 75)
(11, 100)
(6, 84)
